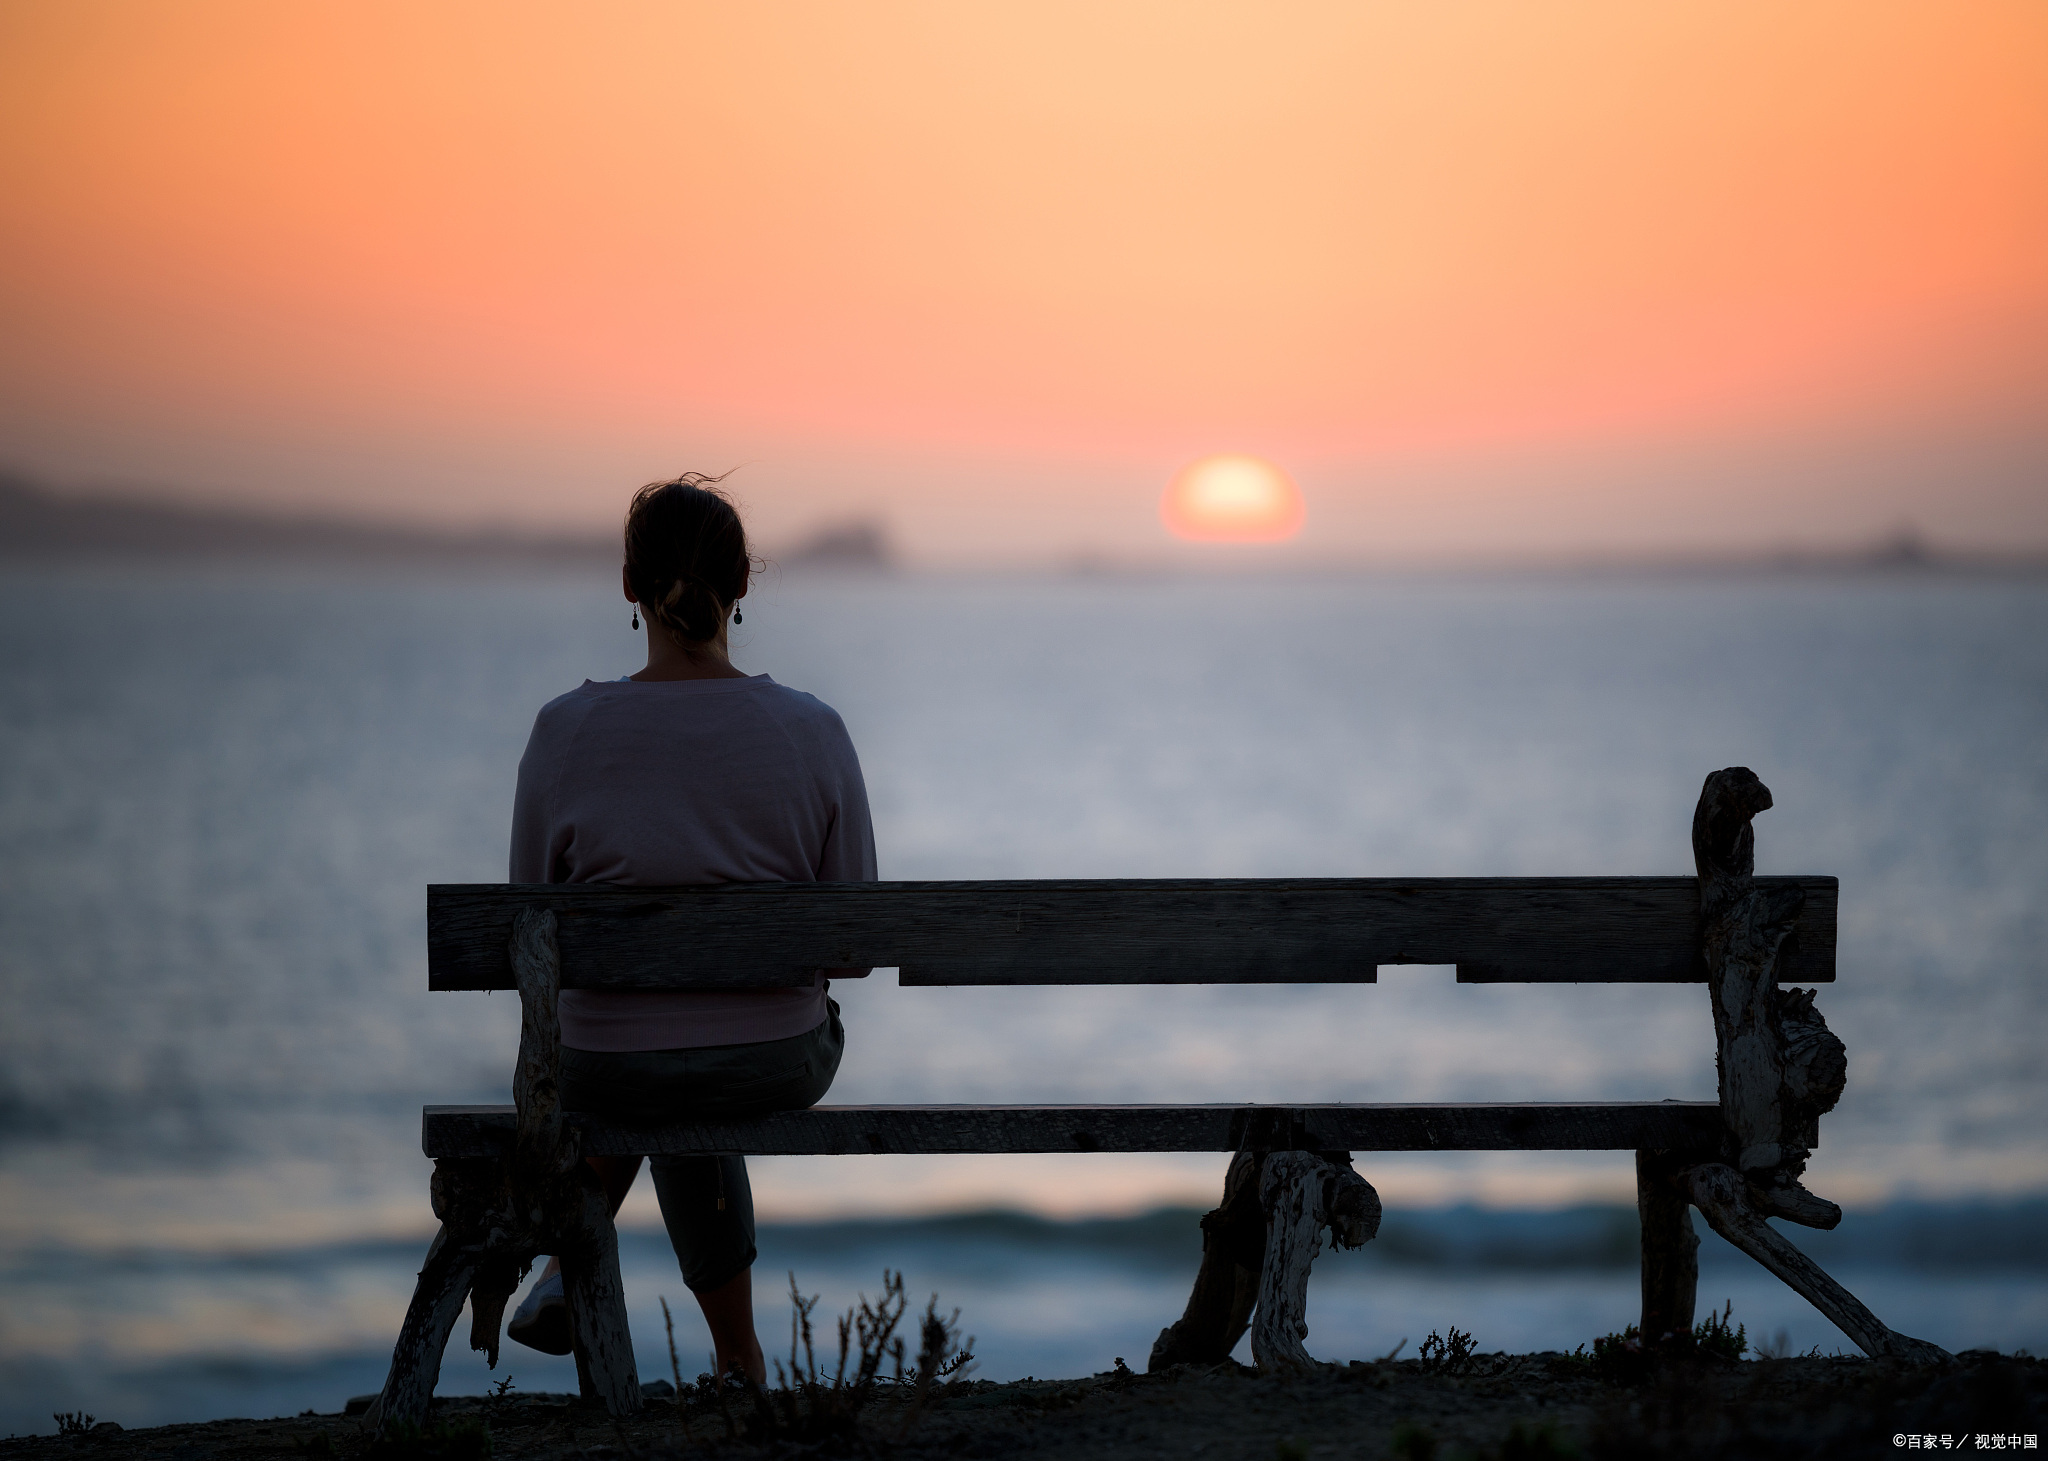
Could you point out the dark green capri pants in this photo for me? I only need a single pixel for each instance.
(713, 1244)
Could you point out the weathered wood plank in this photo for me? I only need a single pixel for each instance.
(450, 1131)
(1195, 931)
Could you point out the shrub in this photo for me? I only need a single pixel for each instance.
(809, 1404)
(1441, 1356)
(1625, 1357)
(1712, 1339)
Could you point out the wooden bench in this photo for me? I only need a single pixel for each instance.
(509, 1182)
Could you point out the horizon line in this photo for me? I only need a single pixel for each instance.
(38, 523)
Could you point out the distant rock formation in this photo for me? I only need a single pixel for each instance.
(861, 546)
(1905, 548)
(39, 524)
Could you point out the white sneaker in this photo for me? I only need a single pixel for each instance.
(542, 1319)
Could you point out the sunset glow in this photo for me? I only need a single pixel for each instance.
(1457, 266)
(1232, 499)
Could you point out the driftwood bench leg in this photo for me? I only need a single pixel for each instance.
(481, 1253)
(1303, 1192)
(1723, 1197)
(498, 1215)
(1292, 1189)
(1256, 1251)
(1671, 1249)
(1780, 1070)
(548, 1159)
(597, 1310)
(1227, 1284)
(1779, 1067)
(475, 1249)
(431, 1317)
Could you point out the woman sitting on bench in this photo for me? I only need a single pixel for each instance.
(691, 771)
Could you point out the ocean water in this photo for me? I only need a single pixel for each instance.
(223, 788)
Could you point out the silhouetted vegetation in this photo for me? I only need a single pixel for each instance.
(811, 1404)
(1626, 1358)
(1446, 1356)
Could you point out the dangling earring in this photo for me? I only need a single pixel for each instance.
(636, 616)
(735, 613)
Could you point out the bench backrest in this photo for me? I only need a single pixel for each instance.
(1165, 931)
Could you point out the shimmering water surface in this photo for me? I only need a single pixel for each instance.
(222, 791)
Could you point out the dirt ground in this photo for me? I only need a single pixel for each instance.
(1499, 1408)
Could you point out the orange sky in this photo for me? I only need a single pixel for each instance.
(1482, 277)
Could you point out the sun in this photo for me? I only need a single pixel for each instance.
(1232, 499)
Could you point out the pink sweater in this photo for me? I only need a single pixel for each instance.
(655, 783)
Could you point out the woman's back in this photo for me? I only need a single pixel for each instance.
(665, 782)
(690, 781)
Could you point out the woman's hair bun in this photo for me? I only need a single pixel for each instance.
(690, 610)
(686, 555)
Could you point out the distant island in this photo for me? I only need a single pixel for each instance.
(36, 524)
(858, 546)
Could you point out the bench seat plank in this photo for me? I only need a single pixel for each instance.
(480, 1131)
(1115, 931)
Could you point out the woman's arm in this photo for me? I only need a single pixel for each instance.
(537, 844)
(849, 852)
